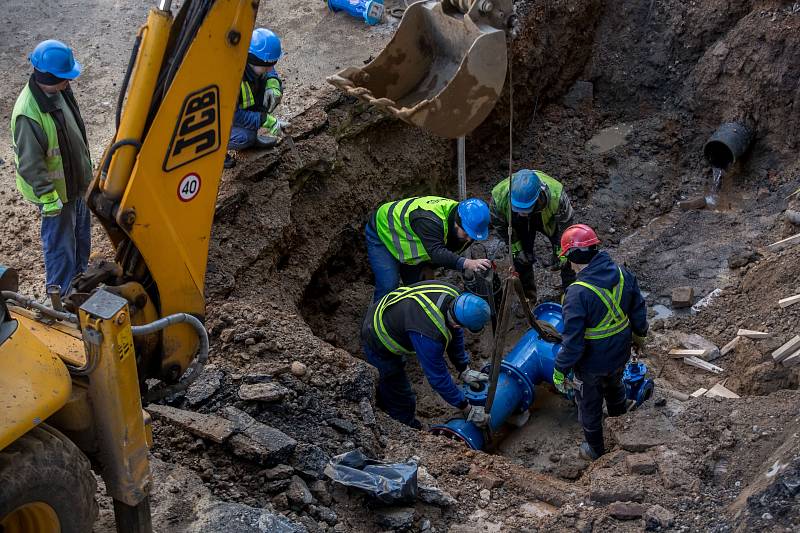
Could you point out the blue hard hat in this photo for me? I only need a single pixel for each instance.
(265, 45)
(471, 311)
(474, 215)
(55, 57)
(525, 190)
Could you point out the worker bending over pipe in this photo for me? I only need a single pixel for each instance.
(406, 239)
(424, 319)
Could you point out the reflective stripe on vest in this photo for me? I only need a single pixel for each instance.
(27, 106)
(248, 98)
(615, 321)
(393, 226)
(420, 296)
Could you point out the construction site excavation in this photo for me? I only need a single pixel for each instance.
(273, 385)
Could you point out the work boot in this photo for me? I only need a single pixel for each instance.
(230, 162)
(587, 452)
(416, 424)
(265, 141)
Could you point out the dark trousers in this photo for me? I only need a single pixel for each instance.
(525, 269)
(387, 270)
(595, 389)
(395, 394)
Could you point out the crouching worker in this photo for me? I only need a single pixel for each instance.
(424, 319)
(604, 313)
(259, 95)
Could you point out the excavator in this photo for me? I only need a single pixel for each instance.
(75, 374)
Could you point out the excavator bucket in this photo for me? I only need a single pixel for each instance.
(443, 70)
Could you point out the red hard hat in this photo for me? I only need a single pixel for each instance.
(578, 236)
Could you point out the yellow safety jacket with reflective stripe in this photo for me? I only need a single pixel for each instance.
(248, 99)
(26, 106)
(615, 320)
(393, 226)
(422, 295)
(501, 201)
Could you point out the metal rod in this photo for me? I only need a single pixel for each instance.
(195, 368)
(30, 303)
(164, 5)
(461, 149)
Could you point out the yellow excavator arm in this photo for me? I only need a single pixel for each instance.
(156, 188)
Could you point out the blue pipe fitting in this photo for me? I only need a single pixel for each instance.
(529, 363)
(371, 11)
(637, 387)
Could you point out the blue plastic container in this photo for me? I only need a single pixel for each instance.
(371, 11)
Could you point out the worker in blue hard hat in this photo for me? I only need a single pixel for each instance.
(538, 204)
(260, 93)
(407, 238)
(425, 319)
(53, 165)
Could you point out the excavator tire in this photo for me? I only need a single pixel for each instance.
(46, 485)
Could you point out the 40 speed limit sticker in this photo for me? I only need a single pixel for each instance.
(189, 187)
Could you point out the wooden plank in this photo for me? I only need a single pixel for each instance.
(677, 353)
(783, 243)
(792, 360)
(787, 349)
(730, 346)
(699, 363)
(791, 300)
(750, 334)
(720, 390)
(699, 392)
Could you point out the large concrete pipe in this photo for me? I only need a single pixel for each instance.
(727, 144)
(529, 363)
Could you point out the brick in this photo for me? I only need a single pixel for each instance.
(263, 392)
(209, 427)
(682, 297)
(640, 463)
(626, 510)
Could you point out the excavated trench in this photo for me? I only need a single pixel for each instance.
(295, 287)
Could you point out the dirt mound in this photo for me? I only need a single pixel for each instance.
(625, 94)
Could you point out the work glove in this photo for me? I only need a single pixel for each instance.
(557, 262)
(558, 381)
(639, 342)
(270, 101)
(51, 204)
(477, 415)
(473, 377)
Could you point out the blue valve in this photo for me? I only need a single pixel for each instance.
(369, 10)
(637, 387)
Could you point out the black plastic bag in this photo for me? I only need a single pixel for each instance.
(388, 482)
